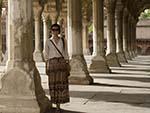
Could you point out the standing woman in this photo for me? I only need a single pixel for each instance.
(55, 49)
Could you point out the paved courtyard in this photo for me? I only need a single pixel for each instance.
(125, 90)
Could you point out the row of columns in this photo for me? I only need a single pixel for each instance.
(21, 82)
(121, 36)
(120, 41)
(120, 47)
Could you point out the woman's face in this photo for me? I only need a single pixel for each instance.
(55, 30)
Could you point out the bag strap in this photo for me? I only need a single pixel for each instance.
(57, 48)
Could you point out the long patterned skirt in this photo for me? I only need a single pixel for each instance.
(58, 87)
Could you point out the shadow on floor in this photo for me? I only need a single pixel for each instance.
(116, 85)
(142, 63)
(62, 111)
(140, 79)
(126, 68)
(129, 73)
(134, 99)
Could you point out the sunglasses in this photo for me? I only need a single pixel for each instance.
(55, 29)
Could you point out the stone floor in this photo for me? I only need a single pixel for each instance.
(125, 90)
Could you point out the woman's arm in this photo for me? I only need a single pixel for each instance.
(46, 53)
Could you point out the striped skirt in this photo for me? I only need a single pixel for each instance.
(58, 87)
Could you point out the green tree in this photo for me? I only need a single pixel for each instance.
(145, 14)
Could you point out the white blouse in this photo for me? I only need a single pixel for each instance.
(51, 51)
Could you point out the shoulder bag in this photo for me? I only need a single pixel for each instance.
(57, 63)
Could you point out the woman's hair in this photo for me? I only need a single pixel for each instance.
(56, 25)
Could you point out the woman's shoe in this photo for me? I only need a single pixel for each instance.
(58, 110)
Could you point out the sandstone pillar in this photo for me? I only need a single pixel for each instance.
(21, 90)
(38, 57)
(1, 53)
(98, 63)
(79, 72)
(125, 34)
(111, 55)
(130, 35)
(134, 37)
(119, 33)
(46, 31)
(85, 36)
(63, 15)
(5, 54)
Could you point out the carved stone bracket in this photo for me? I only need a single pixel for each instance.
(37, 10)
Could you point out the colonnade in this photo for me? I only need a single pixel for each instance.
(21, 82)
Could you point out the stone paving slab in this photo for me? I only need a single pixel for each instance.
(125, 90)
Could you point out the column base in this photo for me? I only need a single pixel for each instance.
(136, 54)
(17, 94)
(127, 55)
(18, 104)
(86, 52)
(79, 73)
(112, 60)
(80, 80)
(133, 53)
(38, 57)
(121, 57)
(5, 58)
(99, 65)
(22, 92)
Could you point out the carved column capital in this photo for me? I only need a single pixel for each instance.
(37, 10)
(53, 15)
(63, 11)
(63, 14)
(45, 16)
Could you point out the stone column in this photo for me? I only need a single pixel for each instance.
(129, 35)
(21, 90)
(125, 34)
(45, 17)
(119, 33)
(63, 16)
(132, 36)
(5, 54)
(38, 57)
(1, 53)
(111, 55)
(79, 73)
(98, 63)
(85, 35)
(64, 26)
